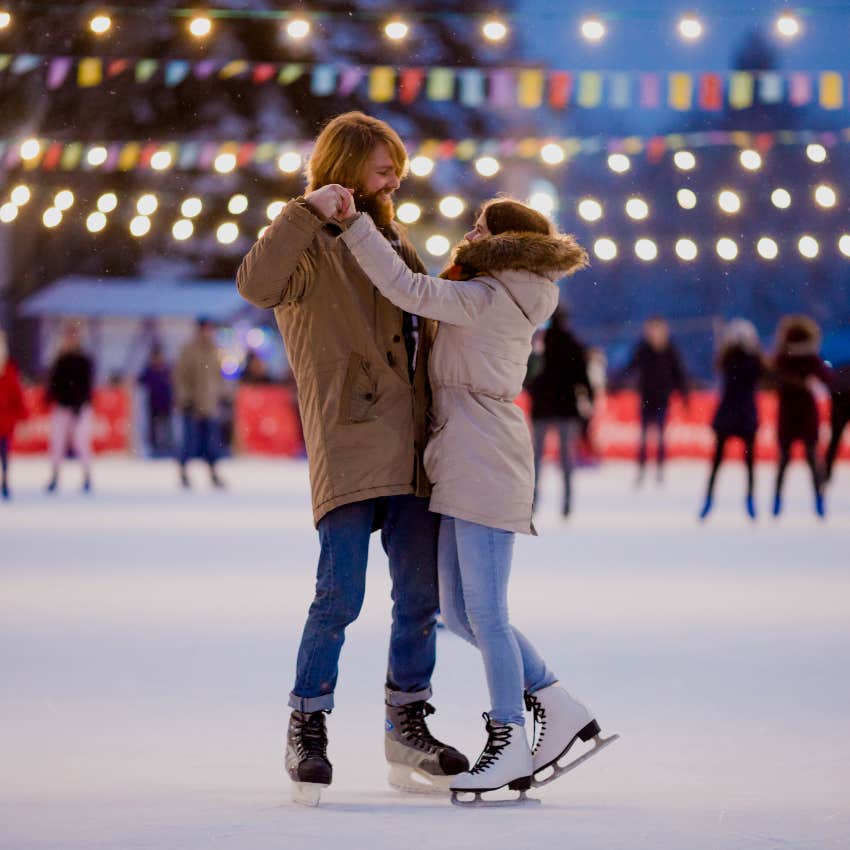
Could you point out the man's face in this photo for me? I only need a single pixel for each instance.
(378, 183)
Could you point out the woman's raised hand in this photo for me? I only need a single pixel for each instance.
(332, 201)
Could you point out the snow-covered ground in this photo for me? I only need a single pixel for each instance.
(148, 637)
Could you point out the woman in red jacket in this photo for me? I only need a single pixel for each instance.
(11, 410)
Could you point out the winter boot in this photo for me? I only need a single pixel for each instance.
(307, 756)
(751, 506)
(215, 480)
(820, 506)
(560, 721)
(185, 483)
(777, 505)
(419, 763)
(505, 761)
(706, 508)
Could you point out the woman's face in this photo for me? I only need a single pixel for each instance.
(479, 230)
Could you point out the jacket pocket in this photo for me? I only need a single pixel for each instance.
(359, 392)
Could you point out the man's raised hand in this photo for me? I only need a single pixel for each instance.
(332, 201)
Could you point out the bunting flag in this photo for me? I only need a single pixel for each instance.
(201, 155)
(501, 88)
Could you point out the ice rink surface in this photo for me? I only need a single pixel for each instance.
(148, 639)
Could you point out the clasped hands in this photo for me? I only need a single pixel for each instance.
(333, 201)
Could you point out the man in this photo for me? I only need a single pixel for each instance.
(156, 379)
(363, 396)
(199, 387)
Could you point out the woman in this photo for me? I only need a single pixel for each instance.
(741, 366)
(797, 363)
(480, 461)
(12, 410)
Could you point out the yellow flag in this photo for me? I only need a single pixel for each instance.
(831, 90)
(589, 89)
(681, 91)
(89, 73)
(741, 86)
(71, 156)
(381, 84)
(530, 93)
(441, 84)
(233, 69)
(129, 156)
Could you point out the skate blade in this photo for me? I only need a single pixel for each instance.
(559, 770)
(307, 793)
(478, 801)
(411, 780)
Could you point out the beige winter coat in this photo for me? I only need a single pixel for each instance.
(364, 421)
(198, 381)
(479, 456)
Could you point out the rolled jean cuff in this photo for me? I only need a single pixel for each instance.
(397, 698)
(547, 682)
(310, 704)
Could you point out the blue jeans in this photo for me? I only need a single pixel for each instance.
(409, 535)
(474, 566)
(652, 416)
(200, 439)
(568, 431)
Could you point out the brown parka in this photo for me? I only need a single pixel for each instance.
(364, 420)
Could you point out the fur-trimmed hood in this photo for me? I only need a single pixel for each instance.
(552, 256)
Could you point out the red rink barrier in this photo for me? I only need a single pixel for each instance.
(267, 421)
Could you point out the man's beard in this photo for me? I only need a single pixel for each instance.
(381, 211)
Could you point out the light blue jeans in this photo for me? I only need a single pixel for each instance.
(474, 564)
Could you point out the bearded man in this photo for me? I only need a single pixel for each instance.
(361, 368)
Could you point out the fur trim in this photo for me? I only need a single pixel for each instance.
(534, 252)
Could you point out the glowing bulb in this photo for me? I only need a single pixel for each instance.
(147, 205)
(787, 26)
(808, 247)
(816, 153)
(52, 217)
(437, 245)
(289, 162)
(5, 20)
(161, 161)
(487, 166)
(767, 248)
(729, 202)
(107, 202)
(100, 24)
(421, 166)
(619, 163)
(408, 212)
(542, 202)
(593, 29)
(200, 26)
(191, 207)
(8, 212)
(637, 208)
(727, 249)
(825, 196)
(20, 195)
(451, 206)
(298, 28)
(262, 231)
(225, 163)
(844, 244)
(686, 198)
(751, 160)
(227, 233)
(30, 149)
(781, 198)
(396, 30)
(237, 205)
(605, 249)
(140, 226)
(96, 222)
(494, 30)
(97, 156)
(686, 249)
(684, 160)
(64, 200)
(274, 209)
(690, 28)
(552, 154)
(646, 250)
(182, 229)
(590, 209)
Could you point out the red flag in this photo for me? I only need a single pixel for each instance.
(263, 72)
(656, 147)
(711, 91)
(116, 67)
(245, 153)
(52, 157)
(410, 84)
(560, 89)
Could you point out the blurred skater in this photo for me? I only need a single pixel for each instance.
(555, 393)
(658, 366)
(70, 387)
(741, 365)
(12, 410)
(797, 365)
(200, 391)
(840, 414)
(156, 380)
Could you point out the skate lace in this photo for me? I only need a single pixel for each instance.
(413, 727)
(498, 737)
(534, 705)
(312, 735)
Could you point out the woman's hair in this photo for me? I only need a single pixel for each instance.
(503, 215)
(344, 146)
(797, 333)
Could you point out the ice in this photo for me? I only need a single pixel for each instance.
(148, 638)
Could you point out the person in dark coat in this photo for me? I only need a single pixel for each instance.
(796, 364)
(70, 386)
(156, 379)
(12, 410)
(555, 392)
(840, 414)
(658, 366)
(741, 366)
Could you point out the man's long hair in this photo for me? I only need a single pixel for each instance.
(344, 146)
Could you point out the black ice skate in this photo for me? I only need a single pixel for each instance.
(307, 757)
(419, 763)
